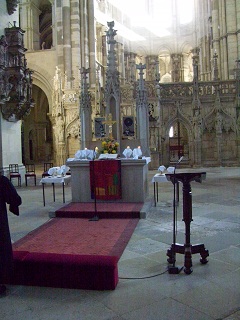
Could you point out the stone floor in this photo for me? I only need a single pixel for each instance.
(146, 290)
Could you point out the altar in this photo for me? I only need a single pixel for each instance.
(134, 180)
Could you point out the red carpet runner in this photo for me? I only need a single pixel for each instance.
(72, 253)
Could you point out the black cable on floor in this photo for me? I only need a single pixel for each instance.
(148, 277)
(156, 275)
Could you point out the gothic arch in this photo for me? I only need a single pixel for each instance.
(45, 25)
(40, 79)
(180, 144)
(38, 129)
(164, 65)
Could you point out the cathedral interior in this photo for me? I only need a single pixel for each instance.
(165, 74)
(168, 72)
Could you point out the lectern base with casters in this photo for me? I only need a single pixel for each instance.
(187, 249)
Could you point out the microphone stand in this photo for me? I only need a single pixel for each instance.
(95, 218)
(173, 269)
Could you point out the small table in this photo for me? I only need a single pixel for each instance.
(53, 181)
(158, 178)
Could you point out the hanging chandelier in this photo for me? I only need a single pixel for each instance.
(15, 78)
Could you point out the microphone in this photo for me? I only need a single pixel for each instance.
(180, 159)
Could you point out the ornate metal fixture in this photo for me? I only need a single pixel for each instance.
(15, 78)
(12, 6)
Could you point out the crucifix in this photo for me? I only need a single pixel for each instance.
(109, 122)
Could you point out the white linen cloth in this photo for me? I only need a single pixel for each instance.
(159, 178)
(54, 171)
(64, 169)
(58, 171)
(127, 152)
(137, 152)
(161, 168)
(170, 169)
(56, 180)
(85, 154)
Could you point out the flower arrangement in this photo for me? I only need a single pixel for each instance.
(109, 146)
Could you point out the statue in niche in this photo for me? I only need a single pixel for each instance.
(197, 124)
(60, 128)
(57, 94)
(238, 124)
(219, 122)
(153, 140)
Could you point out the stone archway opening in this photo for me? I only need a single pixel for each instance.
(178, 142)
(45, 25)
(37, 130)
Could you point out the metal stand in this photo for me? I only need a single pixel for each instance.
(95, 217)
(187, 249)
(173, 269)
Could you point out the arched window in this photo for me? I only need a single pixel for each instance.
(45, 26)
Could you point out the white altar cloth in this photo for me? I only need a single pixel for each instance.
(159, 178)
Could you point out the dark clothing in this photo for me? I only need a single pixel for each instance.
(9, 195)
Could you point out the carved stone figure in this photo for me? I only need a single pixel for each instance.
(197, 125)
(60, 128)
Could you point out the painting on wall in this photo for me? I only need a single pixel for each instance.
(99, 127)
(128, 127)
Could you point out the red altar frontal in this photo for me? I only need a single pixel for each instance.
(105, 179)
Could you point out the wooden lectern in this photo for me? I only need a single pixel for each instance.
(187, 249)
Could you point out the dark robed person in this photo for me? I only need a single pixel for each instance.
(8, 195)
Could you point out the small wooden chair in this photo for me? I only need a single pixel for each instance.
(30, 173)
(14, 173)
(46, 167)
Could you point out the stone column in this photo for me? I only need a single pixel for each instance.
(67, 53)
(75, 43)
(121, 67)
(152, 65)
(176, 67)
(54, 35)
(206, 56)
(197, 135)
(112, 85)
(30, 23)
(85, 111)
(218, 125)
(91, 41)
(238, 26)
(142, 113)
(215, 76)
(132, 67)
(217, 45)
(60, 147)
(231, 36)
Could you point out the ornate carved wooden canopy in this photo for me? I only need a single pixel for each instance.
(12, 6)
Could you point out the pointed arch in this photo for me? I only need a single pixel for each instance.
(178, 145)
